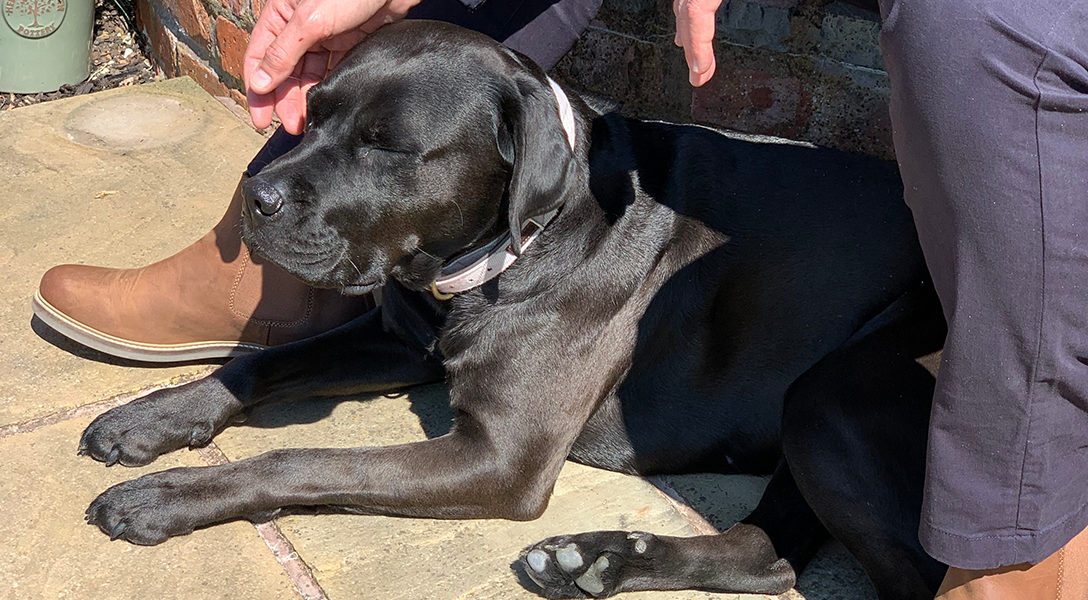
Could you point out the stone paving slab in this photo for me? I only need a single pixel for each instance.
(121, 178)
(49, 552)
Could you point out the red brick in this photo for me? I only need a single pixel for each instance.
(238, 7)
(193, 18)
(753, 101)
(161, 40)
(232, 43)
(190, 64)
(240, 98)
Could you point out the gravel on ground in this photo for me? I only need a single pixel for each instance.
(117, 58)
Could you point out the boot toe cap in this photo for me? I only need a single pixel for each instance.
(67, 288)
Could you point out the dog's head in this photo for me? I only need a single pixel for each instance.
(426, 140)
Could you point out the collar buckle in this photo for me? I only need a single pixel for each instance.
(487, 262)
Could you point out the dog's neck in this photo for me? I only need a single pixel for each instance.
(487, 262)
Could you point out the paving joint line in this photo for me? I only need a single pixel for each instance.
(698, 523)
(98, 407)
(297, 570)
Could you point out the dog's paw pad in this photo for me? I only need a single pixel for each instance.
(590, 581)
(537, 560)
(568, 557)
(593, 564)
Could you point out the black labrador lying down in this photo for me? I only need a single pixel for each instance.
(680, 302)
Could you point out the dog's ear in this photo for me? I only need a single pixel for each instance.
(532, 140)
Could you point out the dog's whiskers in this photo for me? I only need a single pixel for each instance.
(358, 271)
(428, 254)
(459, 212)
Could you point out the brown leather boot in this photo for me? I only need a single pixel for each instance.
(211, 300)
(1062, 576)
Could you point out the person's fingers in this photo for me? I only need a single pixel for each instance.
(273, 19)
(260, 108)
(291, 106)
(698, 79)
(701, 14)
(344, 41)
(695, 28)
(284, 38)
(307, 26)
(290, 102)
(335, 24)
(313, 69)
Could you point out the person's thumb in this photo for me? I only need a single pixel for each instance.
(304, 30)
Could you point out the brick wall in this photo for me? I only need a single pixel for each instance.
(803, 69)
(204, 39)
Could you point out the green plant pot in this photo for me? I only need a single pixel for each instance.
(44, 44)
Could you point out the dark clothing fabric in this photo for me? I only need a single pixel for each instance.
(543, 30)
(990, 117)
(279, 144)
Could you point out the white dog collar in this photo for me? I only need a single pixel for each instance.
(488, 261)
(566, 113)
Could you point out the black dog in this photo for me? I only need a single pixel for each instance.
(692, 303)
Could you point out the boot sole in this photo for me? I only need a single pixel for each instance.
(115, 346)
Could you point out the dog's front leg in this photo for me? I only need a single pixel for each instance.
(514, 425)
(361, 356)
(469, 473)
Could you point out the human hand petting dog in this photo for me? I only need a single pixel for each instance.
(295, 44)
(695, 33)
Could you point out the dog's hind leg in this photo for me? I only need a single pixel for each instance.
(854, 435)
(364, 355)
(760, 555)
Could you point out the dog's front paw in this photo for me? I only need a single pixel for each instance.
(148, 510)
(585, 565)
(137, 433)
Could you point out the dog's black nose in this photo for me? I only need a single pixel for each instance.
(263, 196)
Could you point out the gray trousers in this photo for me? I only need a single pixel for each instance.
(990, 116)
